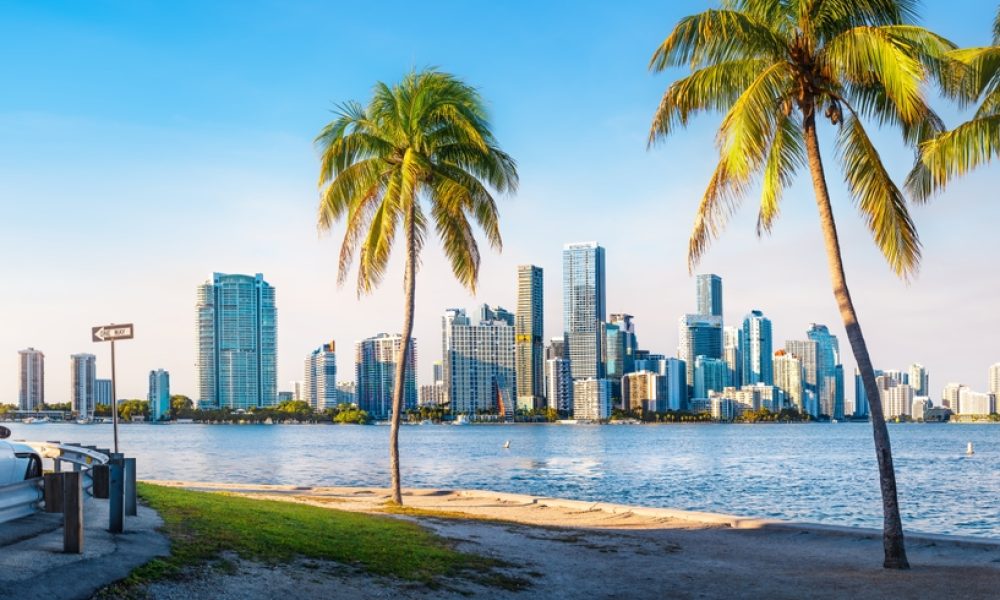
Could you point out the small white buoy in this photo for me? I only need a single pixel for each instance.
(969, 451)
(506, 444)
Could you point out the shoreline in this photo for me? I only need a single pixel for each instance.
(341, 497)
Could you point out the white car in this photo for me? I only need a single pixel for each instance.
(17, 461)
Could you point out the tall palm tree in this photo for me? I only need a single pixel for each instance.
(774, 67)
(956, 152)
(421, 153)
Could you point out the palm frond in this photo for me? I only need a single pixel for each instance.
(955, 153)
(720, 201)
(716, 36)
(879, 201)
(785, 156)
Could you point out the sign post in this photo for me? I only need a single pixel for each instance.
(110, 333)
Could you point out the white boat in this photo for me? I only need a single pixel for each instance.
(84, 421)
(35, 420)
(461, 420)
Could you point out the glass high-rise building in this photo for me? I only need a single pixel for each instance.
(829, 392)
(709, 376)
(629, 344)
(83, 377)
(102, 392)
(528, 331)
(375, 361)
(584, 308)
(919, 380)
(755, 344)
(558, 385)
(731, 353)
(699, 335)
(159, 395)
(788, 378)
(478, 363)
(320, 377)
(237, 342)
(709, 294)
(31, 388)
(806, 351)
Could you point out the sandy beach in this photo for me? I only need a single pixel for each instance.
(573, 549)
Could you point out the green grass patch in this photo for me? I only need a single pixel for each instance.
(202, 526)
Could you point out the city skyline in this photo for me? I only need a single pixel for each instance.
(234, 163)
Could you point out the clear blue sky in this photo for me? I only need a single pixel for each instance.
(144, 145)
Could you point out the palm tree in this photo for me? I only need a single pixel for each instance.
(975, 142)
(773, 67)
(420, 153)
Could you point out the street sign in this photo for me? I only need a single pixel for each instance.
(110, 333)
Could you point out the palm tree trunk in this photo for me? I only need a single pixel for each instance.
(399, 385)
(892, 527)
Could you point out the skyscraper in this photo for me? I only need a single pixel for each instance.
(994, 379)
(102, 392)
(788, 377)
(496, 313)
(806, 352)
(375, 361)
(528, 330)
(831, 397)
(31, 389)
(320, 378)
(584, 308)
(755, 343)
(478, 363)
(644, 391)
(674, 373)
(861, 408)
(709, 376)
(83, 373)
(591, 399)
(699, 335)
(237, 342)
(159, 395)
(732, 355)
(709, 294)
(919, 379)
(558, 385)
(629, 343)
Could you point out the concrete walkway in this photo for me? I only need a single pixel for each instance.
(34, 567)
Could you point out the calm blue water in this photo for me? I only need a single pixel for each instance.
(815, 472)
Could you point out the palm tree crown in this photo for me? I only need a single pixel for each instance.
(425, 137)
(772, 65)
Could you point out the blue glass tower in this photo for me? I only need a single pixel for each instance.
(755, 346)
(584, 308)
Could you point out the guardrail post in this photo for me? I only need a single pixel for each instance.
(116, 485)
(99, 475)
(52, 492)
(130, 508)
(56, 463)
(72, 492)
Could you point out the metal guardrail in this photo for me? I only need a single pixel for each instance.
(24, 498)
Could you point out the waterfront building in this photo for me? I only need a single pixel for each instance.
(347, 393)
(584, 298)
(437, 370)
(732, 355)
(724, 409)
(83, 375)
(788, 377)
(613, 349)
(298, 390)
(755, 343)
(994, 377)
(950, 396)
(320, 378)
(237, 342)
(159, 395)
(709, 376)
(31, 384)
(556, 348)
(558, 385)
(673, 372)
(591, 399)
(831, 395)
(286, 397)
(975, 403)
(528, 331)
(496, 313)
(861, 408)
(897, 376)
(644, 391)
(432, 395)
(806, 351)
(375, 362)
(699, 335)
(897, 398)
(918, 379)
(629, 343)
(479, 363)
(709, 289)
(102, 392)
(921, 406)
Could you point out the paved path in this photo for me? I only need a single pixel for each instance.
(34, 567)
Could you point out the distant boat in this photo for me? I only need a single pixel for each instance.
(461, 420)
(84, 421)
(968, 450)
(506, 444)
(269, 421)
(35, 420)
